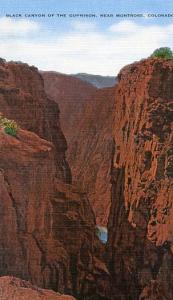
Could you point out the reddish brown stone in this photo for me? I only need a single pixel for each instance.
(72, 95)
(90, 152)
(140, 223)
(22, 98)
(17, 289)
(154, 291)
(47, 226)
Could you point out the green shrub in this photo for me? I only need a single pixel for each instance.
(10, 127)
(163, 52)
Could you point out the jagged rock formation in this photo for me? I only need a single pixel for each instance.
(17, 289)
(87, 118)
(50, 237)
(140, 246)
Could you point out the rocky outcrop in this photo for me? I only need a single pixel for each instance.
(22, 98)
(140, 224)
(50, 232)
(17, 289)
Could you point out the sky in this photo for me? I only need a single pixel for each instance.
(34, 32)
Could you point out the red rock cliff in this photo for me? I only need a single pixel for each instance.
(140, 246)
(49, 225)
(22, 97)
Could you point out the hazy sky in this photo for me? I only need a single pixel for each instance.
(98, 45)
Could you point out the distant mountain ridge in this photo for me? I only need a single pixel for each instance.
(97, 80)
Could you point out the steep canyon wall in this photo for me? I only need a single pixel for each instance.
(140, 223)
(47, 226)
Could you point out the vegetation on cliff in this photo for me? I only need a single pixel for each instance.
(163, 52)
(10, 126)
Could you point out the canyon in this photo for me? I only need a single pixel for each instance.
(121, 153)
(115, 170)
(87, 122)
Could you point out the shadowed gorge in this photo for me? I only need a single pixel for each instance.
(121, 153)
(87, 118)
(115, 170)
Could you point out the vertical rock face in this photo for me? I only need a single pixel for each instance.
(27, 176)
(140, 246)
(90, 152)
(49, 225)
